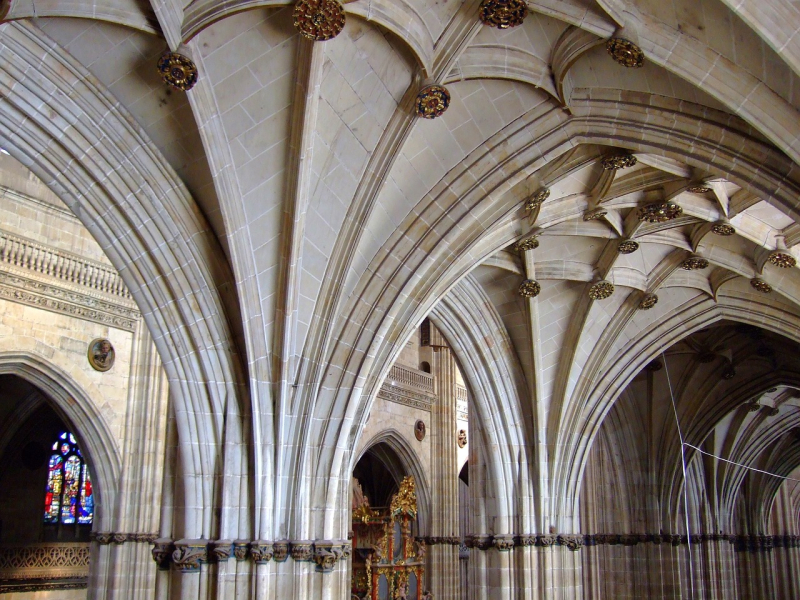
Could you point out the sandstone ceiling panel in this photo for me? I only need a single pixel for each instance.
(137, 14)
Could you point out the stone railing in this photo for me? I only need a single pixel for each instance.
(44, 561)
(71, 268)
(461, 394)
(408, 386)
(410, 377)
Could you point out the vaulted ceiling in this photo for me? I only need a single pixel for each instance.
(337, 218)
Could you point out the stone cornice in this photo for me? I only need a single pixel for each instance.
(105, 538)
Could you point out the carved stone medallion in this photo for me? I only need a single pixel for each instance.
(177, 70)
(432, 101)
(462, 438)
(319, 20)
(723, 229)
(660, 212)
(530, 243)
(625, 53)
(101, 354)
(783, 260)
(593, 215)
(760, 285)
(627, 247)
(420, 430)
(615, 162)
(700, 188)
(601, 290)
(529, 288)
(694, 263)
(503, 13)
(648, 302)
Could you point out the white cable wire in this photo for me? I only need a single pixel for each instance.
(738, 464)
(685, 482)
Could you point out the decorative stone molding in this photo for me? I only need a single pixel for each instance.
(503, 13)
(162, 552)
(261, 551)
(189, 555)
(445, 541)
(177, 71)
(302, 550)
(571, 542)
(409, 387)
(222, 549)
(625, 53)
(40, 561)
(280, 551)
(503, 542)
(319, 20)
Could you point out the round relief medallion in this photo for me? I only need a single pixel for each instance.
(760, 285)
(319, 20)
(420, 430)
(625, 53)
(627, 247)
(648, 302)
(432, 101)
(694, 263)
(530, 288)
(178, 71)
(601, 290)
(782, 259)
(503, 13)
(615, 162)
(530, 243)
(101, 354)
(462, 438)
(660, 212)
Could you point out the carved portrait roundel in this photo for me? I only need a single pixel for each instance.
(101, 354)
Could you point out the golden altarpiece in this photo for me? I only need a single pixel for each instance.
(388, 563)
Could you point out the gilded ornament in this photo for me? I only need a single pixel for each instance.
(729, 372)
(503, 13)
(627, 247)
(595, 214)
(537, 199)
(178, 71)
(319, 20)
(405, 500)
(461, 440)
(615, 162)
(648, 302)
(782, 259)
(699, 189)
(601, 290)
(101, 354)
(723, 229)
(694, 263)
(625, 53)
(530, 288)
(660, 212)
(432, 101)
(530, 243)
(761, 285)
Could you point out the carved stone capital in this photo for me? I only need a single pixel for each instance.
(102, 538)
(302, 550)
(189, 554)
(504, 542)
(162, 552)
(280, 551)
(222, 550)
(240, 548)
(326, 554)
(119, 538)
(262, 551)
(545, 541)
(572, 542)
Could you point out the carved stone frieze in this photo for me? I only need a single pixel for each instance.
(409, 397)
(571, 541)
(104, 538)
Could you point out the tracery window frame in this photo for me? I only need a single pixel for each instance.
(67, 465)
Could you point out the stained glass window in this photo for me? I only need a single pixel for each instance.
(68, 496)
